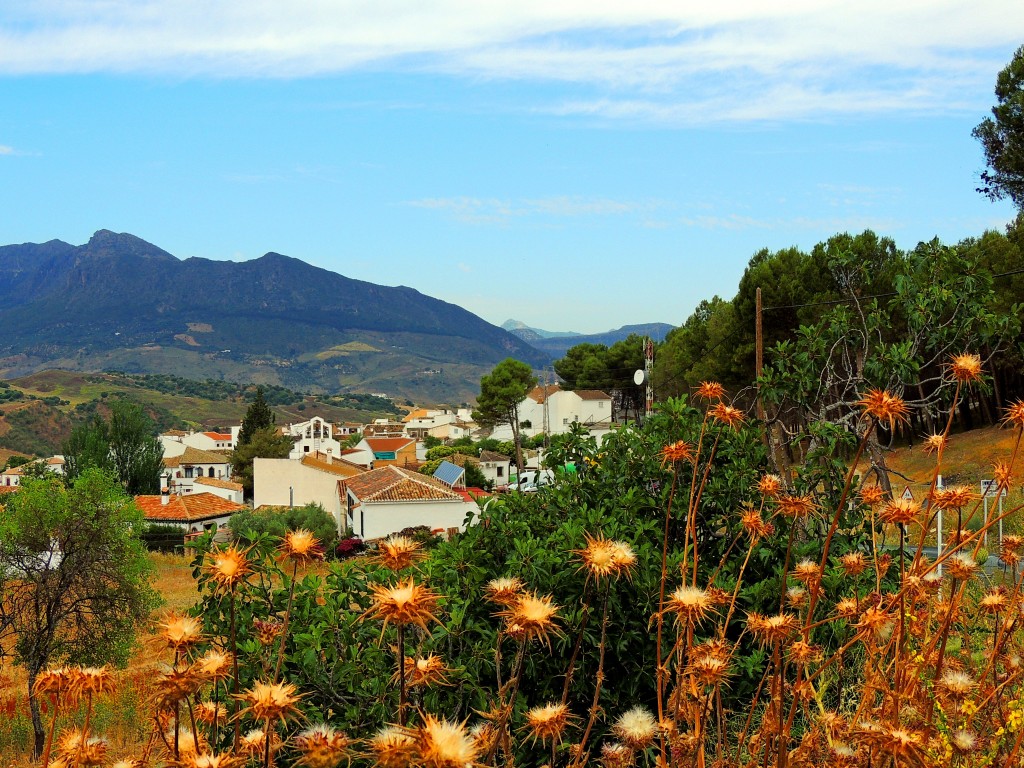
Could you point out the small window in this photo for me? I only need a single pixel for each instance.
(565, 422)
(500, 471)
(600, 403)
(209, 472)
(188, 471)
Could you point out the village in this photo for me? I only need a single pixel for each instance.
(365, 476)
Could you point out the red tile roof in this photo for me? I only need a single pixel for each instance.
(216, 482)
(592, 394)
(186, 509)
(218, 435)
(336, 467)
(388, 443)
(9, 489)
(492, 457)
(196, 456)
(397, 484)
(539, 394)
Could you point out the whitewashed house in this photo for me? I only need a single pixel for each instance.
(312, 437)
(553, 410)
(318, 479)
(195, 513)
(175, 441)
(181, 471)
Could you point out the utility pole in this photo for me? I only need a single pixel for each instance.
(648, 370)
(759, 356)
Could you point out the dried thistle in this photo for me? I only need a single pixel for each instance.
(321, 747)
(636, 728)
(270, 701)
(965, 368)
(443, 744)
(398, 552)
(301, 546)
(885, 407)
(405, 603)
(392, 747)
(229, 568)
(504, 590)
(548, 722)
(531, 617)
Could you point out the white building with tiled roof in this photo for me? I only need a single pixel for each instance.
(181, 471)
(383, 501)
(318, 479)
(195, 513)
(226, 489)
(175, 441)
(553, 410)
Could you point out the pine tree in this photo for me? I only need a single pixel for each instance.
(257, 417)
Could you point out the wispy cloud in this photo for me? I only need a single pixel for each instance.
(5, 150)
(651, 60)
(477, 210)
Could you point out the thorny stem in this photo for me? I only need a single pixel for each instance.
(595, 705)
(49, 736)
(575, 652)
(284, 629)
(660, 671)
(234, 684)
(401, 674)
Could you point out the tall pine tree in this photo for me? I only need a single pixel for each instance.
(257, 417)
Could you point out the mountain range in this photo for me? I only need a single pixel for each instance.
(557, 343)
(120, 303)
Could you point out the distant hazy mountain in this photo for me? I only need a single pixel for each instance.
(557, 343)
(526, 333)
(121, 303)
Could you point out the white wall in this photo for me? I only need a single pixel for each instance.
(375, 520)
(272, 479)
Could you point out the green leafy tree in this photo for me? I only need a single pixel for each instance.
(257, 417)
(248, 525)
(501, 392)
(126, 446)
(75, 578)
(266, 443)
(1002, 136)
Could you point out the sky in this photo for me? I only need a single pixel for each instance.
(573, 165)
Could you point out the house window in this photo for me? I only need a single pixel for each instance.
(188, 471)
(305, 448)
(209, 472)
(565, 422)
(600, 404)
(499, 471)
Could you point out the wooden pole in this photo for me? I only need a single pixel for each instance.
(759, 346)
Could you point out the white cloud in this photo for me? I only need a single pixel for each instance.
(5, 150)
(650, 60)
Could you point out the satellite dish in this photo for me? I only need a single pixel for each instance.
(639, 377)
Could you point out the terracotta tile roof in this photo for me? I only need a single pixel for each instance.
(186, 509)
(216, 482)
(12, 471)
(540, 394)
(493, 457)
(196, 456)
(397, 484)
(592, 394)
(337, 467)
(218, 435)
(461, 459)
(419, 413)
(175, 433)
(388, 443)
(55, 461)
(4, 489)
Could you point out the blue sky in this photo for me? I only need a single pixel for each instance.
(575, 165)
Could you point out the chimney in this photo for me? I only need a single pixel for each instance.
(330, 458)
(165, 496)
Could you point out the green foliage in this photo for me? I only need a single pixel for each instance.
(429, 441)
(74, 575)
(264, 443)
(257, 417)
(1002, 136)
(125, 446)
(210, 389)
(163, 538)
(248, 525)
(501, 391)
(17, 461)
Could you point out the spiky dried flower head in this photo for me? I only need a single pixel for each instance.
(904, 745)
(399, 552)
(392, 747)
(935, 443)
(213, 666)
(994, 601)
(1002, 473)
(965, 368)
(899, 511)
(76, 745)
(548, 722)
(853, 563)
(189, 744)
(871, 494)
(875, 623)
(690, 604)
(636, 728)
(962, 566)
(252, 743)
(795, 506)
(1014, 414)
(709, 668)
(229, 567)
(678, 451)
(504, 590)
(425, 671)
(444, 744)
(1010, 549)
(614, 755)
(58, 683)
(956, 683)
(404, 603)
(270, 701)
(128, 762)
(321, 746)
(531, 617)
(770, 486)
(847, 607)
(301, 546)
(176, 685)
(710, 390)
(769, 630)
(605, 558)
(216, 760)
(755, 526)
(954, 497)
(181, 632)
(885, 407)
(807, 571)
(95, 681)
(796, 597)
(268, 630)
(209, 712)
(802, 653)
(727, 415)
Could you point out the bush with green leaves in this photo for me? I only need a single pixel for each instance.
(248, 525)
